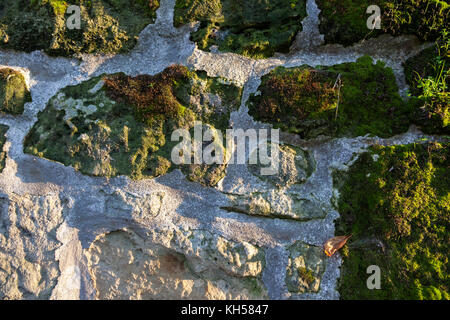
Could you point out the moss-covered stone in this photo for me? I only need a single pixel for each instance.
(396, 203)
(107, 26)
(428, 75)
(3, 130)
(14, 92)
(304, 100)
(345, 21)
(119, 125)
(253, 28)
(305, 268)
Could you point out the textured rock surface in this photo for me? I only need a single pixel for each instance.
(175, 265)
(28, 243)
(295, 166)
(65, 235)
(277, 204)
(305, 268)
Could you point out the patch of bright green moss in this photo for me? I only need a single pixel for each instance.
(304, 100)
(253, 28)
(306, 275)
(3, 130)
(119, 125)
(107, 26)
(345, 21)
(428, 75)
(13, 91)
(399, 197)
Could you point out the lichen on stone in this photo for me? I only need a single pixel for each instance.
(107, 26)
(119, 125)
(305, 268)
(349, 99)
(279, 199)
(252, 28)
(14, 92)
(295, 165)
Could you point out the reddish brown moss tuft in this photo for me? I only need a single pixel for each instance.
(300, 92)
(149, 95)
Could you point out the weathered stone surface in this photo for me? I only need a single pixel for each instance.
(305, 268)
(28, 268)
(108, 220)
(279, 200)
(175, 265)
(277, 204)
(295, 166)
(141, 208)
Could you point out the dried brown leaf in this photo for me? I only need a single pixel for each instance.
(334, 244)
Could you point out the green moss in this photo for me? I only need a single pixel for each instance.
(345, 21)
(304, 100)
(3, 130)
(306, 275)
(255, 286)
(253, 28)
(107, 26)
(13, 91)
(305, 268)
(396, 203)
(428, 75)
(420, 66)
(125, 127)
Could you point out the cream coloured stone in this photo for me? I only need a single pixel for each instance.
(124, 265)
